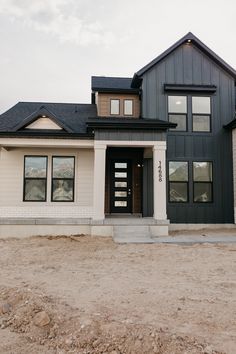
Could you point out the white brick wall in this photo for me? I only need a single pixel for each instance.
(11, 185)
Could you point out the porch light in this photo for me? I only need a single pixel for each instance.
(43, 116)
(189, 41)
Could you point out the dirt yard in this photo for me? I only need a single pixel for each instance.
(89, 295)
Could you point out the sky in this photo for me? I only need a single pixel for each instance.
(49, 49)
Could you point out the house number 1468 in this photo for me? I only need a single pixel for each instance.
(159, 171)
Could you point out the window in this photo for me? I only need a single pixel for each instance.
(128, 107)
(178, 181)
(202, 182)
(63, 174)
(115, 106)
(201, 113)
(35, 178)
(177, 111)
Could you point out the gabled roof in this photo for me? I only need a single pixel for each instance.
(42, 111)
(136, 82)
(71, 117)
(112, 84)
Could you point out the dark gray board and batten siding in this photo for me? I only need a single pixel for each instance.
(188, 65)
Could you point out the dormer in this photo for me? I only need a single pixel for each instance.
(115, 98)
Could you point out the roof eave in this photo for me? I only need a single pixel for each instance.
(133, 124)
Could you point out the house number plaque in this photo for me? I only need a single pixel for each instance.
(159, 171)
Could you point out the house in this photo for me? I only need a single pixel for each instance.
(157, 146)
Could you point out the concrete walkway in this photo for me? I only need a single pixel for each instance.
(180, 239)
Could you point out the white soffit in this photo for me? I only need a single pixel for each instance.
(44, 124)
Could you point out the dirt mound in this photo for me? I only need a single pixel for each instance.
(58, 328)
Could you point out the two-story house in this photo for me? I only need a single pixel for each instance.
(153, 149)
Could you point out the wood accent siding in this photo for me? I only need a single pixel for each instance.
(103, 104)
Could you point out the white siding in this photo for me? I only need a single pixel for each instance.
(11, 185)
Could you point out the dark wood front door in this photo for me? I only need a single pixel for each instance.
(121, 186)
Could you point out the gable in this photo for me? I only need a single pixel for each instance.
(188, 42)
(43, 123)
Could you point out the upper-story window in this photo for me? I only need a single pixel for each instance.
(190, 111)
(201, 114)
(115, 106)
(128, 107)
(177, 111)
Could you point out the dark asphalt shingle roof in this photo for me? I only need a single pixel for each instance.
(71, 115)
(112, 84)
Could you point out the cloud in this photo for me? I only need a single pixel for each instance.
(62, 19)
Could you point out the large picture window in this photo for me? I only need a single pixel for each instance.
(201, 114)
(178, 181)
(202, 182)
(35, 178)
(177, 111)
(63, 175)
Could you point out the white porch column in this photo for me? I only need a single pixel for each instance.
(159, 180)
(99, 182)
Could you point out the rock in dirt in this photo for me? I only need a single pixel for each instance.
(208, 350)
(41, 319)
(6, 308)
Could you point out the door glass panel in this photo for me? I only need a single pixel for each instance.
(120, 194)
(120, 165)
(121, 203)
(121, 174)
(121, 184)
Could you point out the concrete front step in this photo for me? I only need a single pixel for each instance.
(134, 221)
(132, 234)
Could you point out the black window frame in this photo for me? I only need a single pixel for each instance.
(35, 178)
(203, 182)
(59, 178)
(114, 99)
(201, 114)
(178, 113)
(186, 182)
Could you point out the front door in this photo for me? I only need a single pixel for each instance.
(121, 186)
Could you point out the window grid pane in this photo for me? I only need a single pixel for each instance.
(201, 123)
(128, 107)
(178, 192)
(203, 192)
(202, 171)
(35, 190)
(63, 167)
(201, 105)
(180, 120)
(35, 166)
(115, 107)
(177, 104)
(178, 171)
(63, 190)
